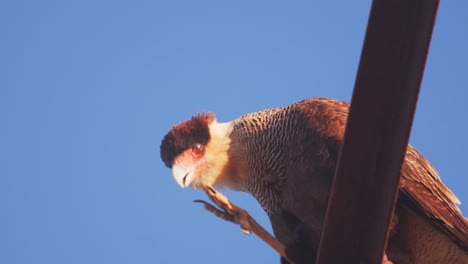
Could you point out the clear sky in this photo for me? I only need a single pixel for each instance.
(89, 88)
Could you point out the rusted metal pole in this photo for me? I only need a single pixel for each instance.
(382, 109)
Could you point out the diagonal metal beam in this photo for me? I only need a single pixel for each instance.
(382, 109)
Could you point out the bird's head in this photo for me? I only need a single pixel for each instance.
(196, 151)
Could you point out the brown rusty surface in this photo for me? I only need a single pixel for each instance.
(382, 109)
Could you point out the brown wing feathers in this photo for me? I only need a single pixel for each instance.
(420, 183)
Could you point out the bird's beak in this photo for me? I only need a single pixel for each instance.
(182, 176)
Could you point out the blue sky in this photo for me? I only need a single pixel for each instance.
(89, 88)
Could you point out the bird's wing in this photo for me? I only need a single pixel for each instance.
(421, 183)
(421, 187)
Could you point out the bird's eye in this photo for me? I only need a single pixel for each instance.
(197, 149)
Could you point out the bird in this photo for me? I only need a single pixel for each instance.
(286, 157)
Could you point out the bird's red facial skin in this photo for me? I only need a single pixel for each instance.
(192, 158)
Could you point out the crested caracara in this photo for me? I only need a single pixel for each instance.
(286, 158)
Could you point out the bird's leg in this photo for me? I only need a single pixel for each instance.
(237, 215)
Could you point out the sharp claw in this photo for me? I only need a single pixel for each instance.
(221, 214)
(230, 213)
(245, 226)
(209, 188)
(247, 232)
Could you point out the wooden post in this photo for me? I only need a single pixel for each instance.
(382, 109)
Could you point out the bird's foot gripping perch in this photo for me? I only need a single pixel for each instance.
(237, 215)
(229, 212)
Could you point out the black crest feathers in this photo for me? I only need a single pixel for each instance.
(184, 135)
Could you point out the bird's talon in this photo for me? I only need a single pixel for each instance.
(245, 226)
(245, 231)
(230, 212)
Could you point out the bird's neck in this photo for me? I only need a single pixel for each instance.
(254, 157)
(226, 153)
